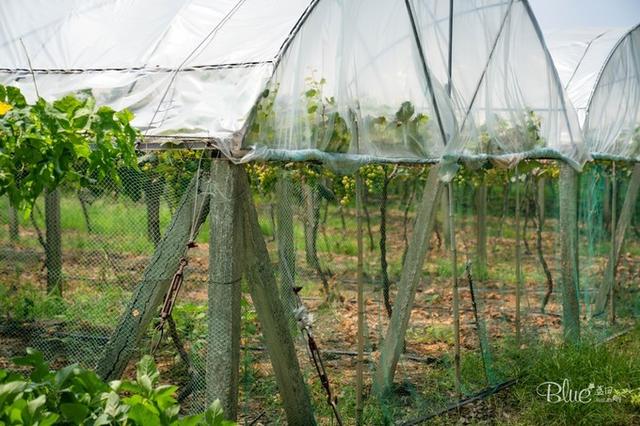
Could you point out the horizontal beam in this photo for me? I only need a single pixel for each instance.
(150, 70)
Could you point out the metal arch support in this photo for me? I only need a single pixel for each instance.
(604, 66)
(293, 33)
(486, 66)
(556, 76)
(450, 57)
(425, 69)
(584, 55)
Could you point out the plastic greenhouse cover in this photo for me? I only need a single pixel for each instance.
(600, 69)
(579, 55)
(128, 53)
(612, 126)
(513, 103)
(344, 89)
(357, 81)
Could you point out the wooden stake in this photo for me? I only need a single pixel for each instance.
(481, 230)
(14, 225)
(542, 183)
(518, 262)
(626, 213)
(444, 211)
(612, 259)
(419, 245)
(225, 273)
(569, 252)
(456, 294)
(271, 315)
(53, 249)
(286, 246)
(360, 296)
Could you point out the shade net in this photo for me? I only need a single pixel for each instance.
(353, 94)
(490, 90)
(514, 104)
(307, 217)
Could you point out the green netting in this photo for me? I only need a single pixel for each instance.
(307, 218)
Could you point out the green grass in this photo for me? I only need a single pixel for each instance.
(613, 365)
(431, 333)
(119, 225)
(93, 307)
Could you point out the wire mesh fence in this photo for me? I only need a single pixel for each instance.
(507, 232)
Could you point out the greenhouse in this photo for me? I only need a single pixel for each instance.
(314, 211)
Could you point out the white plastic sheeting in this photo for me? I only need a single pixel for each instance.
(513, 103)
(612, 126)
(380, 70)
(349, 80)
(184, 67)
(600, 69)
(579, 55)
(354, 84)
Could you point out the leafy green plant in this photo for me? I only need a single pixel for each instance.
(406, 127)
(69, 141)
(506, 139)
(327, 127)
(76, 396)
(27, 303)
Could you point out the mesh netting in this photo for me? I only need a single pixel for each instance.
(508, 237)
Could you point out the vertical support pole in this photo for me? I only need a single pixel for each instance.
(154, 185)
(53, 249)
(444, 212)
(286, 245)
(606, 207)
(360, 297)
(481, 230)
(612, 260)
(273, 321)
(569, 252)
(518, 262)
(626, 213)
(456, 293)
(542, 183)
(225, 273)
(419, 245)
(14, 226)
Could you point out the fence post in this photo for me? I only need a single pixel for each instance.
(14, 224)
(569, 252)
(53, 249)
(286, 245)
(273, 321)
(410, 278)
(481, 230)
(225, 273)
